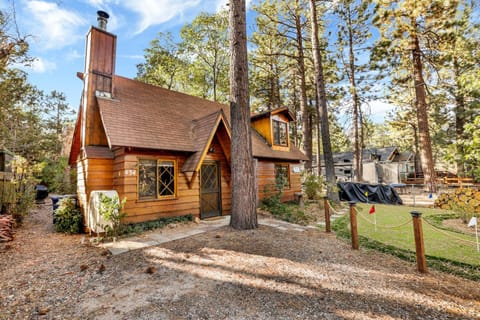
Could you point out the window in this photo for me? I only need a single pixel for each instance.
(156, 179)
(280, 133)
(282, 176)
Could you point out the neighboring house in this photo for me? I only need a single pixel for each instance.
(167, 152)
(380, 165)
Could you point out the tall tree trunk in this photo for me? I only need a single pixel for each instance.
(459, 121)
(307, 128)
(322, 107)
(357, 166)
(244, 215)
(362, 139)
(422, 115)
(319, 147)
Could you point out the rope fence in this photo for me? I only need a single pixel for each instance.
(333, 209)
(416, 220)
(447, 234)
(382, 226)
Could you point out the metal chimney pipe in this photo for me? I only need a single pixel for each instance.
(102, 19)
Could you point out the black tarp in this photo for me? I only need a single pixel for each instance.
(377, 193)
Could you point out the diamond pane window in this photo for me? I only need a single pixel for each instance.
(166, 178)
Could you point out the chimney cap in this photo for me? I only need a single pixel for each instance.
(103, 14)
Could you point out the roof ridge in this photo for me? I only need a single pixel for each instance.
(155, 87)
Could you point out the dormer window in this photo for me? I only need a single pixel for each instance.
(280, 133)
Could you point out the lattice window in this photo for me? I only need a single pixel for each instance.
(209, 177)
(166, 178)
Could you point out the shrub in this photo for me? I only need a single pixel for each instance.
(313, 186)
(24, 183)
(289, 212)
(111, 209)
(68, 217)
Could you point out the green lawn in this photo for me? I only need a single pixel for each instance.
(445, 249)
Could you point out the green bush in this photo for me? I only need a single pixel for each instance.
(313, 186)
(68, 217)
(289, 212)
(111, 209)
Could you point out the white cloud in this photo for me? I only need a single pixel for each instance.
(52, 26)
(153, 12)
(41, 65)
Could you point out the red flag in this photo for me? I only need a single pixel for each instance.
(372, 210)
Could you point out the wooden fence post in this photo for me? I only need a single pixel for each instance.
(327, 214)
(353, 225)
(419, 245)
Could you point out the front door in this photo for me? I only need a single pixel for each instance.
(210, 196)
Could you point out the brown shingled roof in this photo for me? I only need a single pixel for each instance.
(150, 117)
(146, 116)
(203, 131)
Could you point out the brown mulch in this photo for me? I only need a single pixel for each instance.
(225, 274)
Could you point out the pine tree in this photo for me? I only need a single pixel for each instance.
(322, 107)
(244, 215)
(352, 40)
(408, 28)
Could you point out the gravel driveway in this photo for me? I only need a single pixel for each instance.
(224, 274)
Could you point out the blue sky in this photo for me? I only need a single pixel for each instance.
(57, 31)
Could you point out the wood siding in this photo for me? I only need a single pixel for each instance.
(93, 174)
(139, 210)
(187, 200)
(264, 127)
(266, 180)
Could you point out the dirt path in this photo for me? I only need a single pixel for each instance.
(261, 274)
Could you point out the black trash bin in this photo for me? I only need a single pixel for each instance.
(41, 192)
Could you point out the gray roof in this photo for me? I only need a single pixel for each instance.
(369, 155)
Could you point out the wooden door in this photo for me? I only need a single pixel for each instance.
(210, 191)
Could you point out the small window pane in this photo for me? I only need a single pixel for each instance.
(282, 178)
(280, 136)
(147, 178)
(166, 178)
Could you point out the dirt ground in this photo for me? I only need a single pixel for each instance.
(225, 274)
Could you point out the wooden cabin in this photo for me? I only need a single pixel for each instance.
(167, 152)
